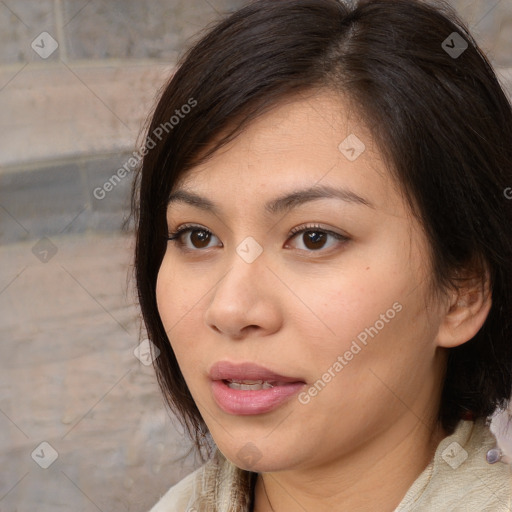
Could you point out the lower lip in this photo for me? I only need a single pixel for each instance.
(247, 402)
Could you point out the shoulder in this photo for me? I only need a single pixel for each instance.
(180, 496)
(459, 478)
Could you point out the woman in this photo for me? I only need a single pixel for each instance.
(323, 260)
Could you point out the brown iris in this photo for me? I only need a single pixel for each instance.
(314, 239)
(200, 238)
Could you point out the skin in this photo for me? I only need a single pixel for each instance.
(360, 443)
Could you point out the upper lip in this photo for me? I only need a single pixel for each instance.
(225, 370)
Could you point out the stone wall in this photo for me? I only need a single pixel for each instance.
(77, 77)
(491, 24)
(159, 29)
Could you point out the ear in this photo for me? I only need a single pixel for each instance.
(465, 311)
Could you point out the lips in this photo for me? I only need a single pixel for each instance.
(224, 370)
(247, 388)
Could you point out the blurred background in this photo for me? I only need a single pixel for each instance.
(82, 424)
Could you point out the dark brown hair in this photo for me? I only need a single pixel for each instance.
(441, 120)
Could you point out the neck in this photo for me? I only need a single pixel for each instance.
(357, 482)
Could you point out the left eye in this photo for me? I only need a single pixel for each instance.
(199, 238)
(313, 239)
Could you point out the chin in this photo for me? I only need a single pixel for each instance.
(252, 456)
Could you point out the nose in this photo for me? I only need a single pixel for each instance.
(245, 301)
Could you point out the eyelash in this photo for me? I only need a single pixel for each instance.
(175, 237)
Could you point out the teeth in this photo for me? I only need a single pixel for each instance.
(249, 385)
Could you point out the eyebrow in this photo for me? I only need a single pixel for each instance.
(281, 204)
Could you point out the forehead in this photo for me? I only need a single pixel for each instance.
(307, 140)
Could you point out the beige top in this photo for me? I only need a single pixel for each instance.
(458, 479)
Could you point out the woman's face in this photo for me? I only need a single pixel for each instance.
(297, 303)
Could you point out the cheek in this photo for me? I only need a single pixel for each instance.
(179, 301)
(175, 295)
(173, 307)
(367, 356)
(344, 304)
(166, 297)
(369, 315)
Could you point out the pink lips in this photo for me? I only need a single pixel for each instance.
(247, 402)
